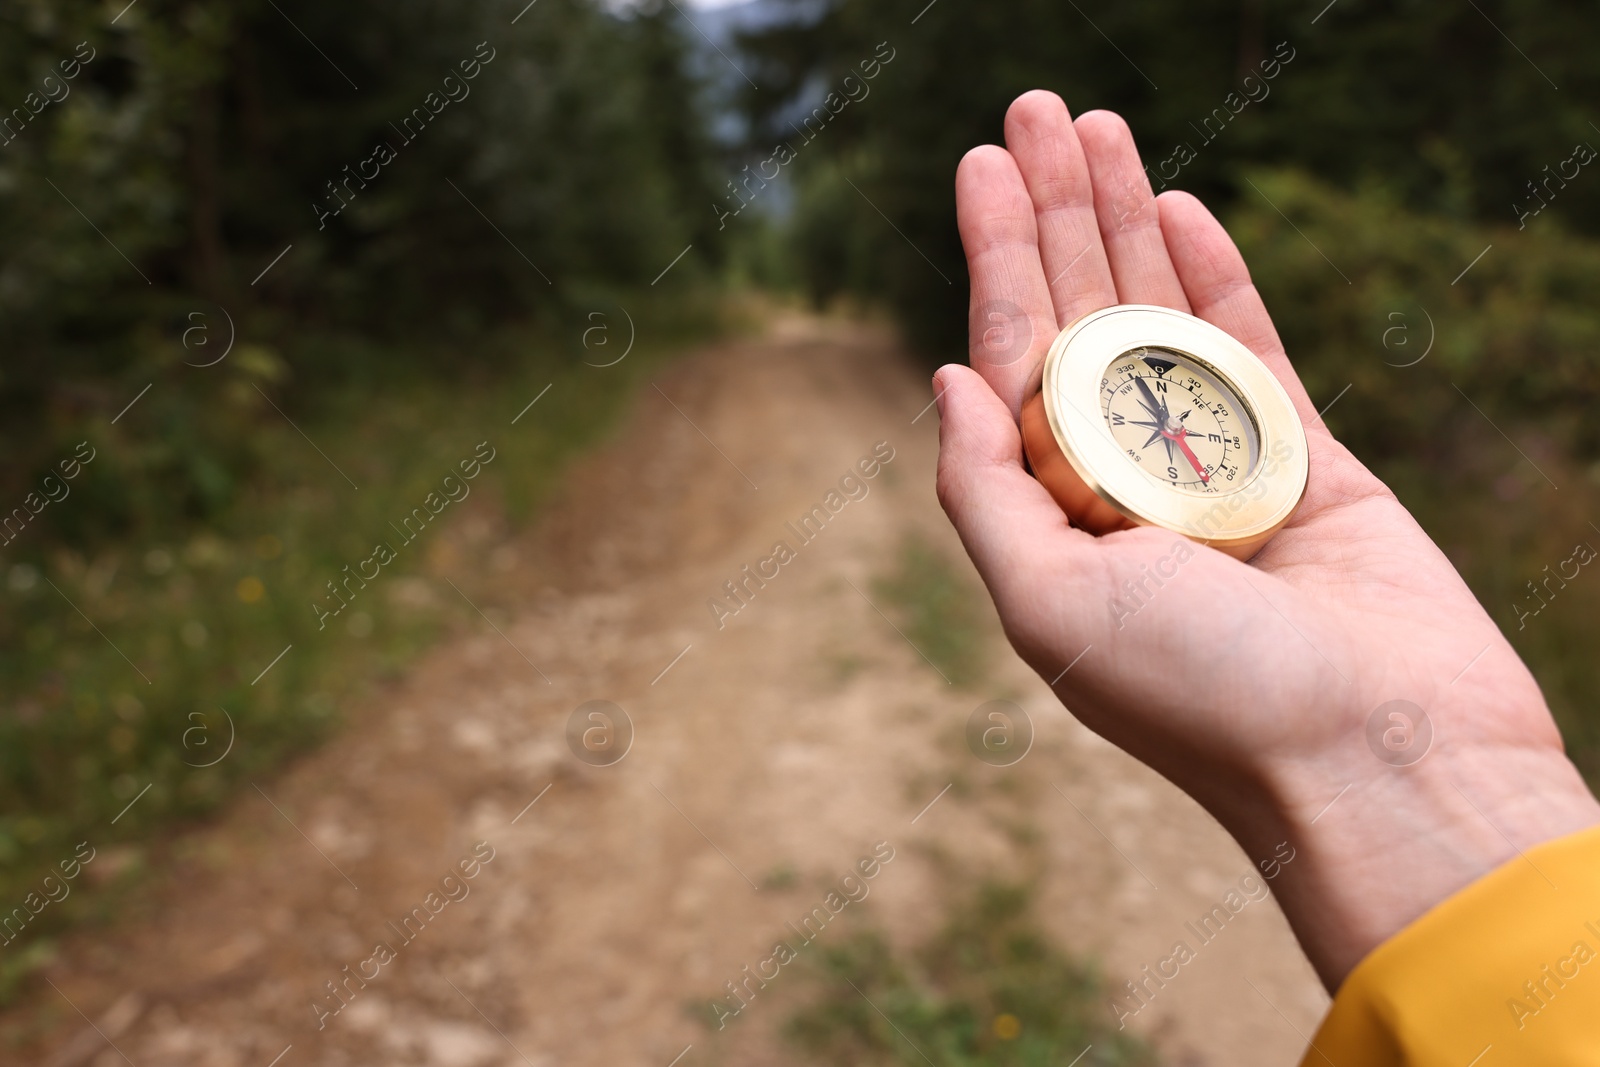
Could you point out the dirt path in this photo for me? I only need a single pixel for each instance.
(766, 760)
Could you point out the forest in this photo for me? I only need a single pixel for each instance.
(233, 226)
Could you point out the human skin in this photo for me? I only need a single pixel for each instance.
(1247, 685)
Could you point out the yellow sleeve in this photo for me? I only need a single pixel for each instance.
(1507, 971)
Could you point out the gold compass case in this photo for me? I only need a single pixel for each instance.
(1233, 488)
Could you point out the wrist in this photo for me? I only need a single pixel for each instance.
(1377, 851)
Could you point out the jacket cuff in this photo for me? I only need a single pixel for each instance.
(1505, 971)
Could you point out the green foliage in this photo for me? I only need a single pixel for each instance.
(204, 138)
(1517, 333)
(938, 610)
(990, 989)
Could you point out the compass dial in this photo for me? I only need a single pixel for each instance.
(1175, 419)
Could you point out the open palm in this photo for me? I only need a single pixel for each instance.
(1249, 685)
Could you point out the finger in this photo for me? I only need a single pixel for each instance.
(1007, 520)
(1040, 135)
(1011, 323)
(1130, 222)
(1218, 285)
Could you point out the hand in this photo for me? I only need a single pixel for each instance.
(1260, 713)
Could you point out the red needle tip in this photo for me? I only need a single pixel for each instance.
(1188, 454)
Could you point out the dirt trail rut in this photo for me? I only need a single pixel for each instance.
(793, 739)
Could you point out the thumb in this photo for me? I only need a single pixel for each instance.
(1008, 522)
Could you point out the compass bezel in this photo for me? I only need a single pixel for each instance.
(1096, 471)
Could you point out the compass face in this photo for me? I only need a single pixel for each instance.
(1175, 419)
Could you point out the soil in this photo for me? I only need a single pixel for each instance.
(768, 756)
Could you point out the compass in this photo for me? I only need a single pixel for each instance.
(1147, 416)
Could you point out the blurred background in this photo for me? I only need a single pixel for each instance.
(272, 270)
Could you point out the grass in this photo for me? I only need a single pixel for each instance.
(989, 990)
(132, 660)
(938, 610)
